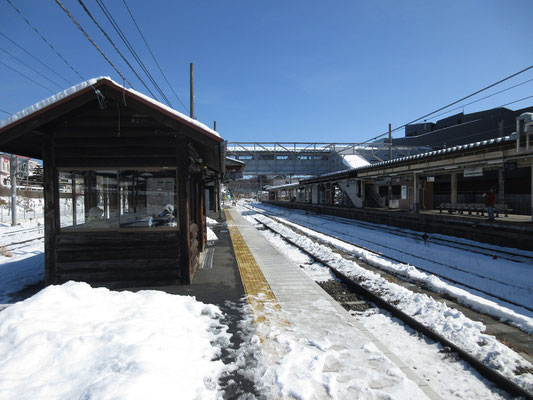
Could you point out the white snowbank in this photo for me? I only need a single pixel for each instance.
(355, 161)
(210, 221)
(211, 235)
(74, 342)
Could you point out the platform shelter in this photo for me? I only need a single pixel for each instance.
(124, 184)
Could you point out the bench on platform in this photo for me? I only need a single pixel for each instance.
(478, 208)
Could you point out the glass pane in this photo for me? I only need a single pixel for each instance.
(148, 198)
(90, 200)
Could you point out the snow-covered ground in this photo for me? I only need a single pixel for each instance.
(502, 278)
(150, 344)
(450, 323)
(76, 342)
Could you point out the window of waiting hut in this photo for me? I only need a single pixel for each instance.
(118, 199)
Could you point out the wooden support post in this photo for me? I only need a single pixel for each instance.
(13, 175)
(74, 208)
(501, 186)
(453, 188)
(202, 227)
(416, 200)
(51, 210)
(183, 210)
(531, 172)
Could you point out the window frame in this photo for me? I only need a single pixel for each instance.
(70, 229)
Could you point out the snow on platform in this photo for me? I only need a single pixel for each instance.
(322, 348)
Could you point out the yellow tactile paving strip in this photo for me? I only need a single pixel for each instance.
(257, 289)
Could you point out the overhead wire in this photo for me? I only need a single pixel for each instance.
(130, 48)
(49, 44)
(7, 112)
(91, 41)
(114, 46)
(483, 98)
(516, 101)
(35, 58)
(30, 67)
(153, 56)
(453, 103)
(26, 76)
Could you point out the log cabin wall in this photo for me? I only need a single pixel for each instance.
(93, 140)
(96, 143)
(114, 259)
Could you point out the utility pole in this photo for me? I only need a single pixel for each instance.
(390, 143)
(192, 90)
(13, 173)
(389, 189)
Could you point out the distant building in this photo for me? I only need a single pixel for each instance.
(462, 128)
(25, 167)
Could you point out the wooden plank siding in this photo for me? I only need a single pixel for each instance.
(121, 132)
(118, 259)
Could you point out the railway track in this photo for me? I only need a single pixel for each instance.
(24, 243)
(489, 251)
(465, 273)
(499, 380)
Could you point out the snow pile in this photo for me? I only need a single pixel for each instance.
(210, 221)
(25, 266)
(211, 235)
(449, 322)
(73, 341)
(315, 360)
(355, 161)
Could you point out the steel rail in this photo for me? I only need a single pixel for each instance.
(451, 280)
(487, 372)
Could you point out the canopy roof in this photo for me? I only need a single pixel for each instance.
(22, 132)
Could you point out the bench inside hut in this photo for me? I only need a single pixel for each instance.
(125, 180)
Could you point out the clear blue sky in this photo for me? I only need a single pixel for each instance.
(288, 70)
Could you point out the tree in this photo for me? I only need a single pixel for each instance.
(36, 177)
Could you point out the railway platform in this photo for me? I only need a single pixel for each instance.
(284, 299)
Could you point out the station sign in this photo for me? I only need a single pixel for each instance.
(473, 171)
(430, 178)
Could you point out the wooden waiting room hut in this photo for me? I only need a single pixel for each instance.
(124, 184)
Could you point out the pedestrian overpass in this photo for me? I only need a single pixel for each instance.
(311, 158)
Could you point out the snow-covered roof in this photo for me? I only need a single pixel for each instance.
(285, 186)
(234, 160)
(52, 100)
(449, 150)
(453, 149)
(354, 161)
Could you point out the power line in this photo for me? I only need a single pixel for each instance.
(33, 69)
(489, 130)
(7, 112)
(48, 43)
(451, 104)
(132, 51)
(153, 57)
(115, 47)
(90, 40)
(36, 59)
(483, 98)
(516, 101)
(26, 76)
